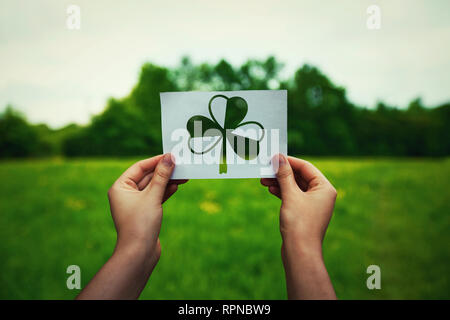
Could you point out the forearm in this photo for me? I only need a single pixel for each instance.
(123, 276)
(306, 274)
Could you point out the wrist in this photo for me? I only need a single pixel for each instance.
(134, 242)
(137, 252)
(301, 247)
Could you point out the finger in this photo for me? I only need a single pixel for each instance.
(161, 177)
(274, 182)
(145, 181)
(308, 172)
(137, 171)
(284, 174)
(301, 182)
(269, 182)
(170, 190)
(275, 191)
(179, 181)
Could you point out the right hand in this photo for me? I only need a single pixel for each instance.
(307, 200)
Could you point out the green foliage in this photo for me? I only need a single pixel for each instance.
(321, 120)
(17, 137)
(119, 130)
(145, 99)
(226, 243)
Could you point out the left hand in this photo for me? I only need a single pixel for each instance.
(136, 207)
(136, 200)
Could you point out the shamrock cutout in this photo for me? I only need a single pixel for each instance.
(235, 111)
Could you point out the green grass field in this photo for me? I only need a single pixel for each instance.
(220, 239)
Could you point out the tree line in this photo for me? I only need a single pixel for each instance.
(321, 119)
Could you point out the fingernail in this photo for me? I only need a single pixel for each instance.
(167, 160)
(277, 161)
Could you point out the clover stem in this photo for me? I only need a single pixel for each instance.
(223, 157)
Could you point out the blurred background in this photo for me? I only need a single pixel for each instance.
(368, 104)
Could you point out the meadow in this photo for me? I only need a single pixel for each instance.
(220, 238)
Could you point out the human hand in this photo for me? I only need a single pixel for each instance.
(307, 202)
(136, 207)
(136, 200)
(307, 199)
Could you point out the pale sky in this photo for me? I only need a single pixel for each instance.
(56, 75)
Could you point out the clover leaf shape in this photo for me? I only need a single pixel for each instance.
(235, 112)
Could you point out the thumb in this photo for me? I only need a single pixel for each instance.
(161, 177)
(284, 174)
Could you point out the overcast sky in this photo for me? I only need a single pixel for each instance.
(56, 75)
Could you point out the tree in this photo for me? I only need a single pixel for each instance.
(145, 98)
(119, 130)
(321, 120)
(17, 137)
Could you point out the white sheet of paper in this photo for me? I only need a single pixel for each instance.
(266, 107)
